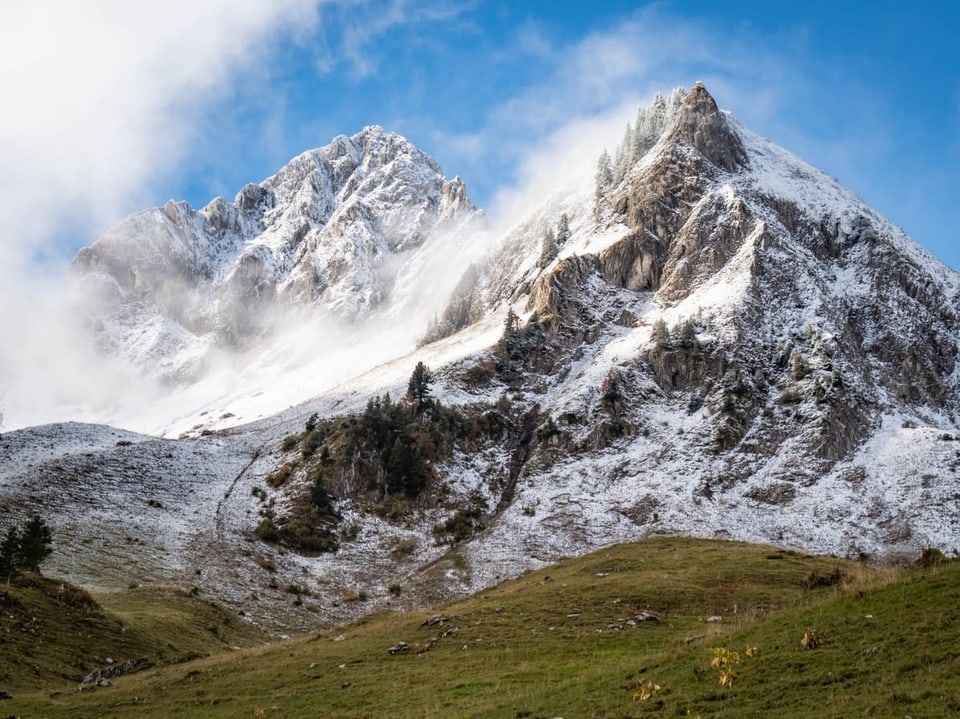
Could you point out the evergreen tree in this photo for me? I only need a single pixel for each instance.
(416, 479)
(508, 340)
(511, 325)
(35, 544)
(650, 123)
(549, 250)
(320, 497)
(622, 162)
(511, 329)
(10, 554)
(604, 176)
(436, 329)
(398, 462)
(563, 230)
(406, 469)
(688, 334)
(660, 335)
(418, 389)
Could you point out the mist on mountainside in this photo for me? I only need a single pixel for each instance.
(64, 372)
(161, 376)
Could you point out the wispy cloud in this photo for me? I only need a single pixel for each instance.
(357, 26)
(532, 39)
(101, 99)
(775, 85)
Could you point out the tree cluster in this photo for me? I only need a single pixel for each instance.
(553, 241)
(389, 438)
(638, 139)
(310, 527)
(520, 348)
(385, 453)
(682, 336)
(390, 445)
(25, 548)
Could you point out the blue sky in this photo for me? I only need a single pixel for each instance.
(147, 109)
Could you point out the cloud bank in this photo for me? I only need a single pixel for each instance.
(100, 101)
(100, 98)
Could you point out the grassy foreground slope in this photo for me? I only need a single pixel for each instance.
(53, 634)
(574, 641)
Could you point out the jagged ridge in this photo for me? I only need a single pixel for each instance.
(319, 234)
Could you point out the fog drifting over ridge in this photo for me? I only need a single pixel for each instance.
(100, 101)
(63, 377)
(85, 137)
(51, 370)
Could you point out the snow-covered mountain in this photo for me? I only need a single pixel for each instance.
(729, 342)
(342, 233)
(711, 338)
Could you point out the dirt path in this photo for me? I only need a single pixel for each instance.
(218, 516)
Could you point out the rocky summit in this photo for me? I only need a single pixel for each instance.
(337, 232)
(702, 335)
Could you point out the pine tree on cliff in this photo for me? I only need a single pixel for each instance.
(549, 249)
(563, 230)
(418, 388)
(603, 178)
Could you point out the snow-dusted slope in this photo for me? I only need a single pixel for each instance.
(807, 395)
(724, 342)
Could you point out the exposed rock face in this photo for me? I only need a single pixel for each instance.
(679, 146)
(635, 262)
(336, 231)
(783, 324)
(555, 295)
(701, 126)
(821, 285)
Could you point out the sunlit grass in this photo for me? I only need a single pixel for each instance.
(565, 642)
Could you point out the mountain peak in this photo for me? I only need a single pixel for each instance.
(334, 229)
(700, 124)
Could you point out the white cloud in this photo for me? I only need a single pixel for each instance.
(362, 23)
(100, 99)
(562, 162)
(532, 40)
(774, 84)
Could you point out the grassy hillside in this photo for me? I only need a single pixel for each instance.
(571, 641)
(53, 634)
